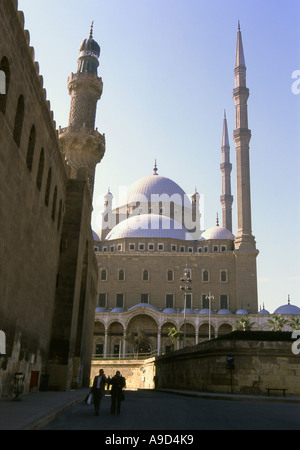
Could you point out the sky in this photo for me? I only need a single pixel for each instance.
(168, 73)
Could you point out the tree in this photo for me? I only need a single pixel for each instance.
(136, 338)
(277, 322)
(295, 323)
(175, 335)
(244, 324)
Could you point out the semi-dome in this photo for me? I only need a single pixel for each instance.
(288, 309)
(205, 311)
(188, 311)
(224, 312)
(149, 226)
(143, 305)
(155, 189)
(242, 312)
(218, 232)
(169, 311)
(100, 310)
(118, 310)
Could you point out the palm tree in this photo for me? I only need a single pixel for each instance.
(295, 323)
(175, 335)
(244, 324)
(277, 322)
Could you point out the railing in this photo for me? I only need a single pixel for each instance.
(126, 356)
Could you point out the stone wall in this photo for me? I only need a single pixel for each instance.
(258, 365)
(139, 374)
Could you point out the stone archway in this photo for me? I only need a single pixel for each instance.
(225, 328)
(167, 344)
(115, 335)
(141, 336)
(190, 335)
(204, 332)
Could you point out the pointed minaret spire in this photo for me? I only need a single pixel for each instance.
(226, 167)
(240, 57)
(91, 31)
(242, 137)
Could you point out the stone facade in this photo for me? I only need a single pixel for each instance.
(258, 365)
(48, 271)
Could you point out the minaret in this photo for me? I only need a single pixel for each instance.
(242, 135)
(226, 167)
(82, 145)
(245, 246)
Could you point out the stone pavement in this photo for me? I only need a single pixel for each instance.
(36, 410)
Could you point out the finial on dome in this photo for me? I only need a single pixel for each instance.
(155, 170)
(217, 219)
(289, 300)
(91, 31)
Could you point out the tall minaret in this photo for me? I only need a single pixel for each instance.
(226, 167)
(242, 135)
(82, 145)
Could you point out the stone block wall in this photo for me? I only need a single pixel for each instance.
(258, 365)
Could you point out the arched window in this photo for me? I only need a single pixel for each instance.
(121, 275)
(48, 187)
(54, 204)
(170, 275)
(205, 275)
(19, 119)
(4, 80)
(224, 276)
(145, 275)
(103, 275)
(39, 177)
(30, 148)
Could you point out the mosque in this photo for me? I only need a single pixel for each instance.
(158, 270)
(81, 294)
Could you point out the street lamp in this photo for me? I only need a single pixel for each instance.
(186, 279)
(209, 297)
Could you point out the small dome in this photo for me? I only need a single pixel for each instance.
(188, 311)
(263, 311)
(149, 226)
(118, 310)
(218, 233)
(169, 311)
(288, 309)
(242, 312)
(205, 311)
(100, 310)
(143, 305)
(95, 236)
(224, 312)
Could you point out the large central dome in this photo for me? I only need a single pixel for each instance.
(155, 188)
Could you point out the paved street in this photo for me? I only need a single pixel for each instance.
(146, 410)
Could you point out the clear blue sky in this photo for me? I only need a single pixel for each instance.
(167, 68)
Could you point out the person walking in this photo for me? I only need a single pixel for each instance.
(98, 390)
(118, 383)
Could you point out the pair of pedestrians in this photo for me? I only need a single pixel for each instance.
(117, 382)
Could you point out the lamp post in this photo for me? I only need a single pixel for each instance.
(209, 297)
(187, 287)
